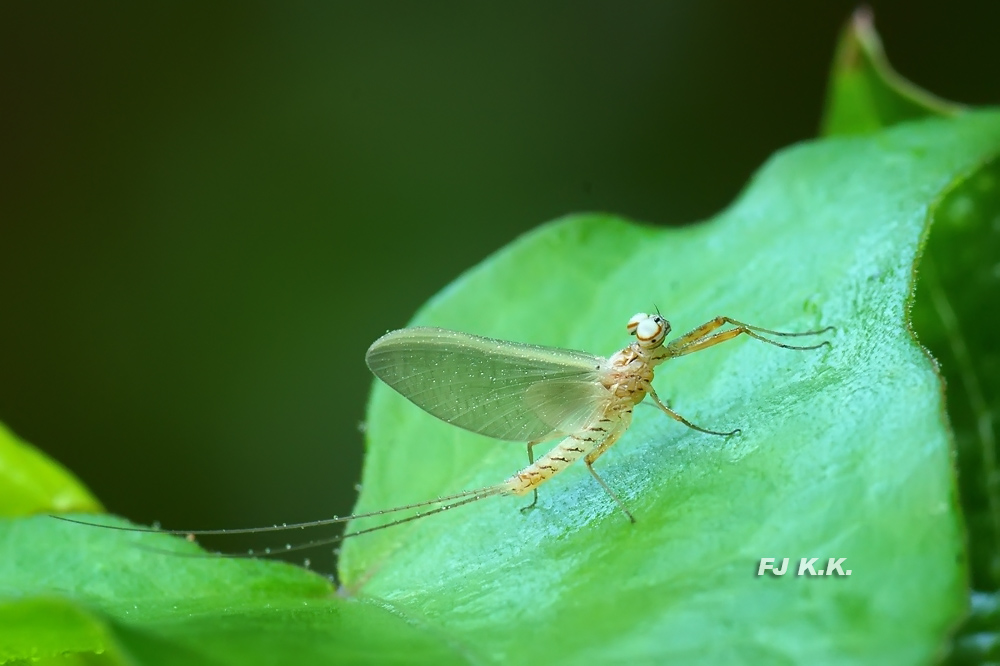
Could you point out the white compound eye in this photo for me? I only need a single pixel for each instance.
(633, 323)
(651, 331)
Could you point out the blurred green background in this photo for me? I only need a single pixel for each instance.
(209, 211)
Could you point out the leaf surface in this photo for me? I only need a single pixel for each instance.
(845, 452)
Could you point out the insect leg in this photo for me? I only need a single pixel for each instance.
(674, 415)
(611, 493)
(697, 333)
(594, 455)
(531, 461)
(699, 339)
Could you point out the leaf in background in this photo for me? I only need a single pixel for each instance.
(865, 93)
(955, 316)
(31, 482)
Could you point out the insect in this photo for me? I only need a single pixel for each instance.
(528, 393)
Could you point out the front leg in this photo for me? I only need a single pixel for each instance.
(699, 338)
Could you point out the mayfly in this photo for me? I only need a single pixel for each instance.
(528, 393)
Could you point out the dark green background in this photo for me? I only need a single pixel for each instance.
(207, 213)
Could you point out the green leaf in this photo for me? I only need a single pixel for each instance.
(955, 317)
(865, 93)
(69, 588)
(844, 452)
(45, 628)
(31, 482)
(953, 313)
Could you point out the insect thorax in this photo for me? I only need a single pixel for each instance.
(630, 372)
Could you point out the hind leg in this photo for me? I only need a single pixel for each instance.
(531, 461)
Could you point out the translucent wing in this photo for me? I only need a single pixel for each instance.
(496, 388)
